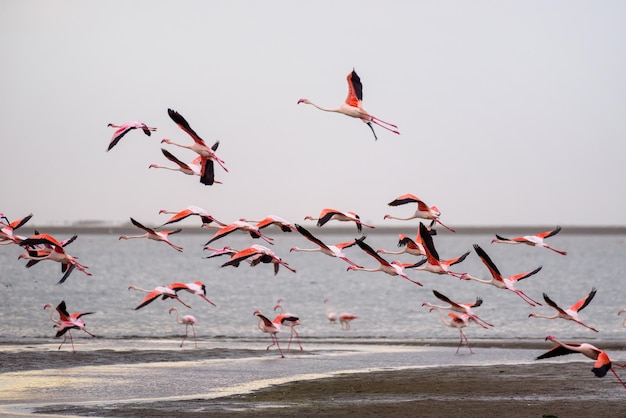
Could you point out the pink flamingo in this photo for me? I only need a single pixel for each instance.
(345, 318)
(193, 168)
(269, 327)
(330, 315)
(53, 250)
(497, 280)
(423, 211)
(394, 268)
(353, 106)
(464, 308)
(410, 246)
(532, 240)
(207, 173)
(459, 322)
(571, 313)
(330, 250)
(289, 320)
(258, 254)
(126, 128)
(603, 362)
(7, 229)
(240, 226)
(281, 223)
(335, 215)
(619, 313)
(197, 288)
(178, 216)
(162, 236)
(66, 323)
(163, 292)
(432, 263)
(186, 320)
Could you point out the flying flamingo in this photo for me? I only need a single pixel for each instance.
(432, 263)
(53, 250)
(571, 313)
(193, 168)
(353, 106)
(178, 216)
(6, 230)
(459, 322)
(217, 252)
(197, 288)
(162, 236)
(163, 292)
(240, 226)
(289, 320)
(603, 362)
(126, 128)
(620, 312)
(259, 254)
(66, 322)
(284, 225)
(501, 282)
(207, 173)
(423, 211)
(335, 215)
(37, 254)
(394, 268)
(410, 246)
(330, 250)
(464, 308)
(330, 315)
(270, 328)
(532, 240)
(186, 320)
(345, 318)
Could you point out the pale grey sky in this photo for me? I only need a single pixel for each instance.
(511, 112)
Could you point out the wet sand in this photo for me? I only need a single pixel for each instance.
(538, 389)
(564, 390)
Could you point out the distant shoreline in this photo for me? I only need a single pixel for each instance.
(502, 229)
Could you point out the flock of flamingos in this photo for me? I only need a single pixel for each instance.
(41, 247)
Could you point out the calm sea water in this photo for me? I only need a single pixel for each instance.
(388, 307)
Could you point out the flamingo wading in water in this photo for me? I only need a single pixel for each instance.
(353, 106)
(66, 322)
(269, 327)
(186, 320)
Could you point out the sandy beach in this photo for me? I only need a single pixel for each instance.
(565, 388)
